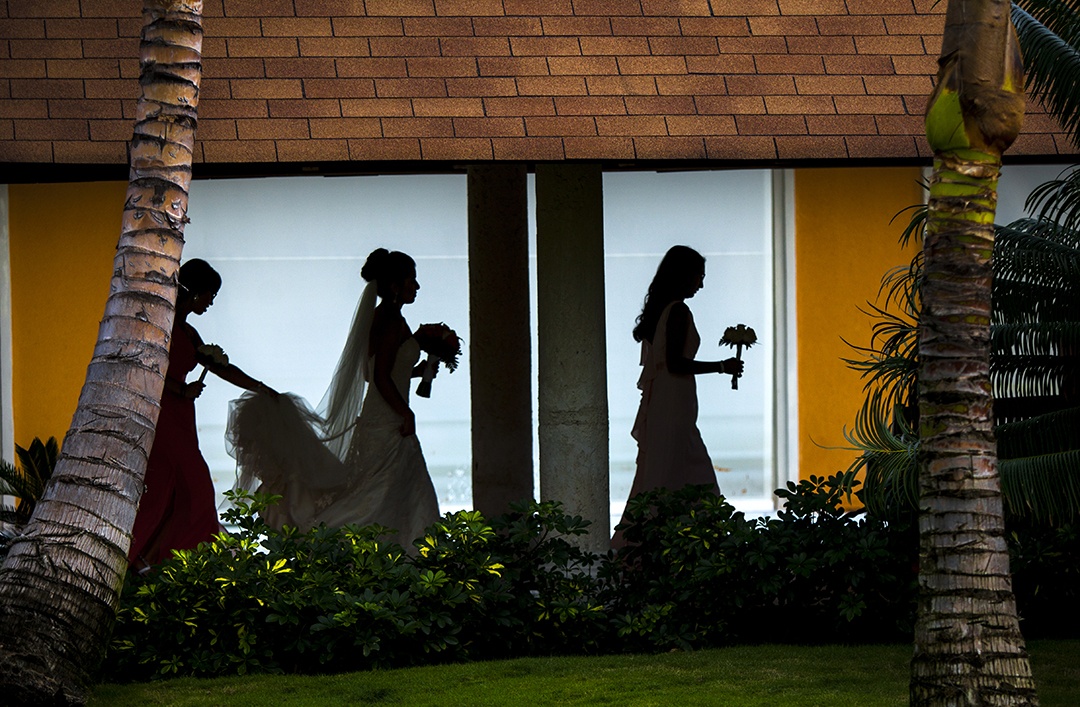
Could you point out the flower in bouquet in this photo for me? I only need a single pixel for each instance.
(216, 354)
(442, 345)
(441, 342)
(738, 336)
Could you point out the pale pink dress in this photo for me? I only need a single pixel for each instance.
(671, 453)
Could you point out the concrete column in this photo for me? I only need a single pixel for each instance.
(573, 411)
(500, 361)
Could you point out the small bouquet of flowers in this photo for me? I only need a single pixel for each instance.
(216, 354)
(738, 336)
(442, 345)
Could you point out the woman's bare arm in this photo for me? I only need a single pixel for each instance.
(677, 325)
(229, 372)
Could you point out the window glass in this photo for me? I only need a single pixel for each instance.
(726, 216)
(290, 251)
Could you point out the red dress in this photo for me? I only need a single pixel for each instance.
(177, 509)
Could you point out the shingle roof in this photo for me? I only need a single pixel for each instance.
(333, 81)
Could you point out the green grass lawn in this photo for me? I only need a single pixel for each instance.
(745, 676)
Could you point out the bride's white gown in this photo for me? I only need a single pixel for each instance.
(384, 477)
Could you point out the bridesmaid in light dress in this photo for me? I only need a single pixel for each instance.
(671, 453)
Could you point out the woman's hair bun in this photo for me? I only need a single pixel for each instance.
(375, 265)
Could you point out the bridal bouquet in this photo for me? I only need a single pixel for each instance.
(442, 345)
(216, 354)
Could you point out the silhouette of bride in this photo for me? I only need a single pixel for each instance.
(360, 460)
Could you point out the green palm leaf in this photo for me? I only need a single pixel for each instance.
(1062, 17)
(1034, 370)
(1051, 62)
(1056, 202)
(26, 481)
(1032, 252)
(1044, 488)
(1052, 433)
(888, 451)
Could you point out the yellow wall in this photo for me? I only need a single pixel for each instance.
(62, 241)
(844, 243)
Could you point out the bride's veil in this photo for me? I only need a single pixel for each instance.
(345, 394)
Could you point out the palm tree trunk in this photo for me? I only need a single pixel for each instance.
(968, 646)
(60, 584)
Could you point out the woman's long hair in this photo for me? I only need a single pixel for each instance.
(679, 265)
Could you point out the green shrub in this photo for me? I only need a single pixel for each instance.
(259, 600)
(671, 585)
(531, 591)
(1045, 566)
(342, 599)
(698, 573)
(25, 483)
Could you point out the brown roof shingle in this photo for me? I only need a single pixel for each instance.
(325, 81)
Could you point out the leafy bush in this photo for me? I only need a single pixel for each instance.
(259, 600)
(342, 599)
(533, 591)
(1045, 565)
(696, 573)
(702, 574)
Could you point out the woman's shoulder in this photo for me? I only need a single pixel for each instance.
(390, 324)
(677, 308)
(189, 331)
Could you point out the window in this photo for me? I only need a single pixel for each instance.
(290, 251)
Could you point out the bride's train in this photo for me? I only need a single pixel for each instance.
(283, 447)
(278, 450)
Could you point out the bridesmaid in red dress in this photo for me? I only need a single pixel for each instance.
(177, 510)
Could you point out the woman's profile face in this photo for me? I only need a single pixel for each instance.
(202, 301)
(695, 282)
(408, 289)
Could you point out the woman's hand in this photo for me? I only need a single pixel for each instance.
(194, 389)
(732, 365)
(420, 368)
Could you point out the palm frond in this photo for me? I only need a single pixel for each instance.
(10, 515)
(1036, 275)
(1029, 376)
(6, 536)
(15, 482)
(1036, 339)
(1053, 69)
(888, 453)
(26, 481)
(890, 362)
(1054, 203)
(916, 222)
(1062, 17)
(1052, 433)
(1044, 488)
(39, 459)
(1031, 250)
